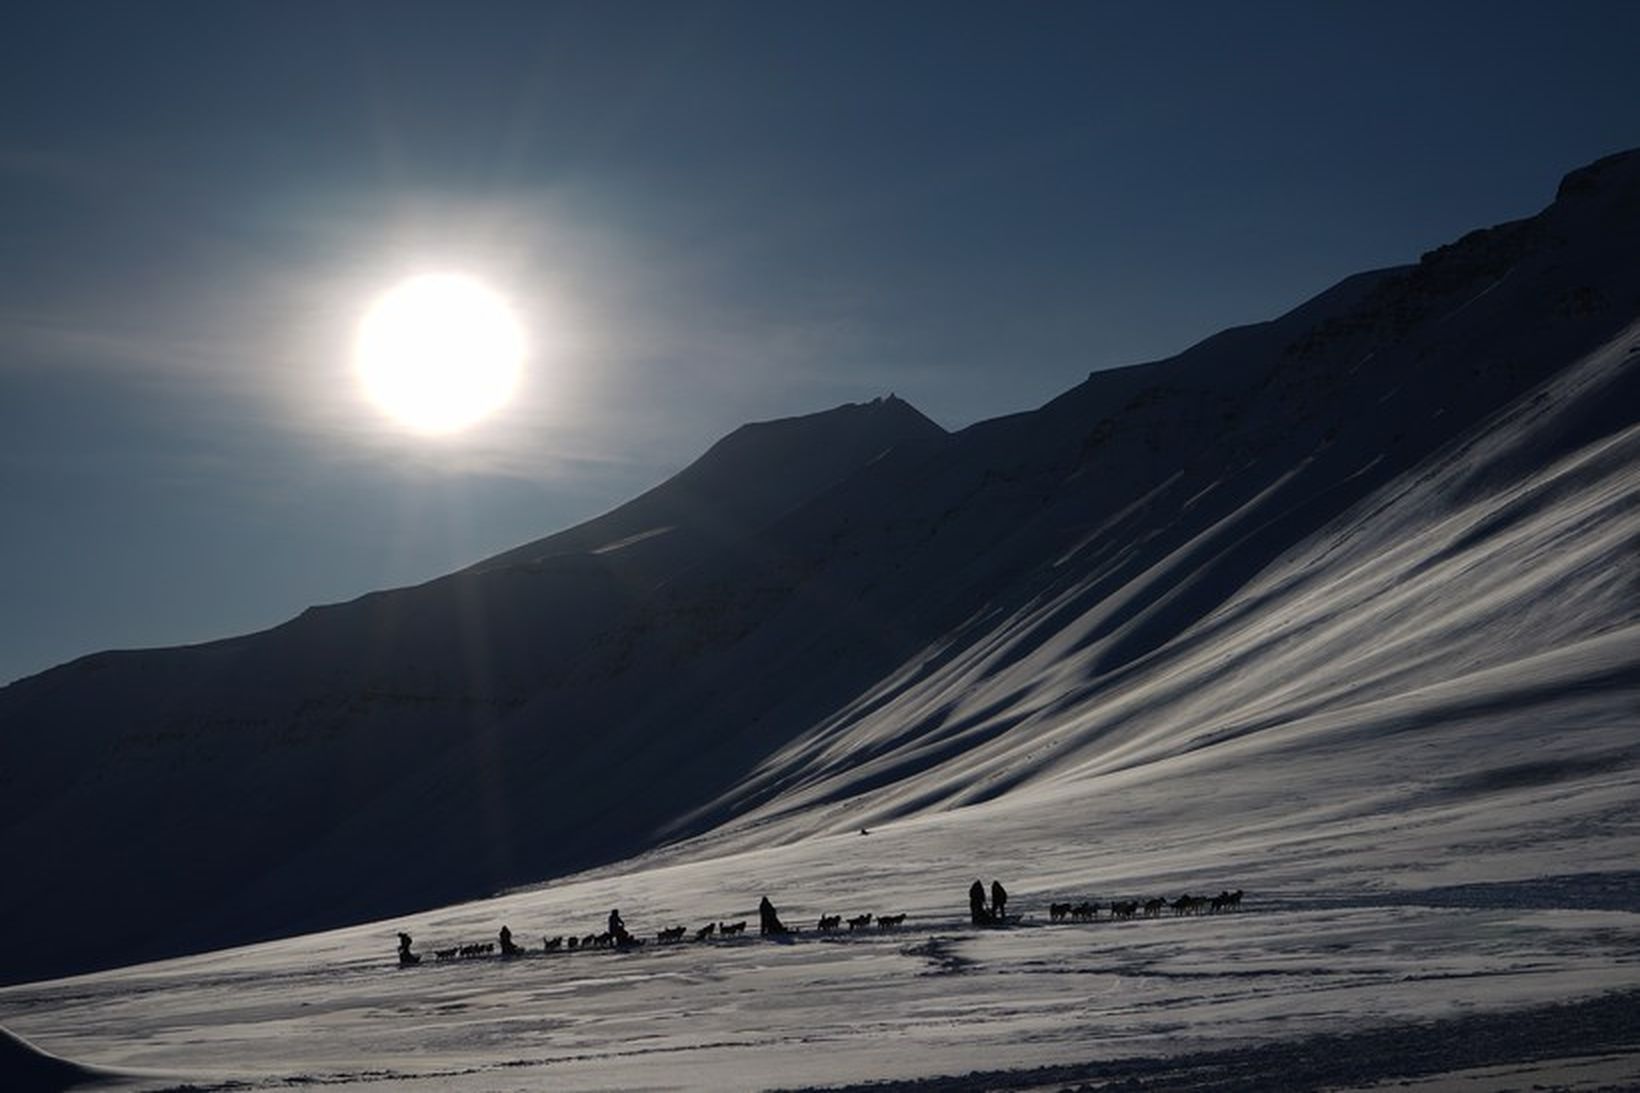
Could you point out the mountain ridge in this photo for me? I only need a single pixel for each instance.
(888, 638)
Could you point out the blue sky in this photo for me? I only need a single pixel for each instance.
(705, 213)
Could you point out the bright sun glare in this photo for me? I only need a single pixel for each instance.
(439, 352)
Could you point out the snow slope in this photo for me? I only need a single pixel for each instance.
(1339, 608)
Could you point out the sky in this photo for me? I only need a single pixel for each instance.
(703, 214)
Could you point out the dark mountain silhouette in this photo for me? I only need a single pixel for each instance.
(184, 775)
(852, 617)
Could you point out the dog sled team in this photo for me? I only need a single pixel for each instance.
(981, 912)
(1088, 911)
(618, 937)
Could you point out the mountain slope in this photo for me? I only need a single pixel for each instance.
(1045, 564)
(182, 776)
(1399, 521)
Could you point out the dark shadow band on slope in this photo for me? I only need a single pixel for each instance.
(25, 1068)
(1606, 1025)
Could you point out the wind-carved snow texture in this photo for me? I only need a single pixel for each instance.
(1340, 609)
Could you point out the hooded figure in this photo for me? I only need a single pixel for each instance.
(768, 920)
(976, 904)
(617, 928)
(999, 899)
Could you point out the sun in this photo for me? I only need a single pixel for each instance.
(439, 352)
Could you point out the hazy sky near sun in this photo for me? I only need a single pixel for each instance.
(704, 214)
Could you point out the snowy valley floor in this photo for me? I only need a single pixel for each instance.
(1489, 986)
(1455, 909)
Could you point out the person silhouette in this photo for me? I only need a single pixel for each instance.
(406, 957)
(617, 928)
(507, 946)
(999, 899)
(768, 919)
(976, 904)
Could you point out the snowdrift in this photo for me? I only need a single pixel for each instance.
(24, 1068)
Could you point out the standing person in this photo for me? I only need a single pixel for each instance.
(406, 957)
(999, 899)
(976, 904)
(768, 919)
(507, 946)
(617, 928)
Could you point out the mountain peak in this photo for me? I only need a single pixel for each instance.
(889, 418)
(800, 455)
(748, 478)
(1604, 176)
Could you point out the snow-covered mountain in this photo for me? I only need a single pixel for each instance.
(185, 778)
(1377, 555)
